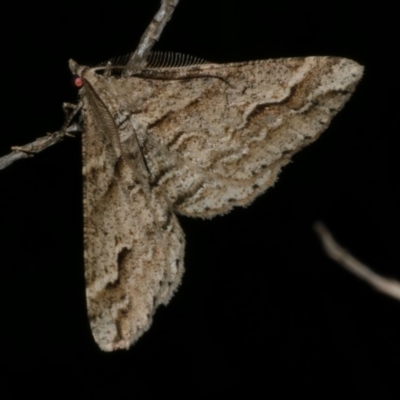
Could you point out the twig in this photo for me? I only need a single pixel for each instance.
(42, 143)
(388, 286)
(151, 35)
(29, 150)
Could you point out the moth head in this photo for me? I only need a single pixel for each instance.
(75, 68)
(77, 71)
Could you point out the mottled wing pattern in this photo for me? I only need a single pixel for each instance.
(133, 242)
(229, 128)
(196, 140)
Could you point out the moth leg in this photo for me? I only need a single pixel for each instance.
(388, 286)
(150, 36)
(72, 129)
(70, 111)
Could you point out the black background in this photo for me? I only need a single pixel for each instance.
(261, 310)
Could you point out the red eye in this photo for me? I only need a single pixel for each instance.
(77, 81)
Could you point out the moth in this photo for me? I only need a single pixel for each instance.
(165, 134)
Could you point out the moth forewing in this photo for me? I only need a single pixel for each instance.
(226, 130)
(195, 140)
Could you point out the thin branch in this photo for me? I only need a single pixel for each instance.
(29, 150)
(388, 286)
(151, 35)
